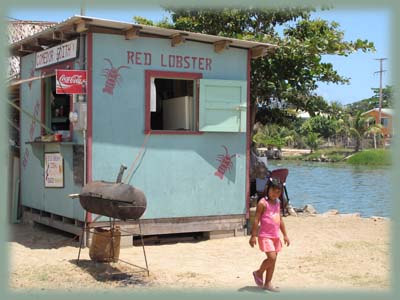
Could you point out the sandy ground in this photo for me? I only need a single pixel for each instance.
(326, 252)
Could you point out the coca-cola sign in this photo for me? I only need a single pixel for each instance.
(71, 81)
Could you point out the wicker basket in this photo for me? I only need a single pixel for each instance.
(105, 245)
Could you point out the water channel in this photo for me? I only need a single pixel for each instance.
(349, 189)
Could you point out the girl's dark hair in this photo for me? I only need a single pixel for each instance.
(273, 183)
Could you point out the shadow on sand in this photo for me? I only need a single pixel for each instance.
(252, 289)
(38, 236)
(111, 272)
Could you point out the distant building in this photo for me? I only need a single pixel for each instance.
(306, 115)
(386, 119)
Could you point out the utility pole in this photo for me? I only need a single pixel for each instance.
(380, 91)
(380, 86)
(83, 8)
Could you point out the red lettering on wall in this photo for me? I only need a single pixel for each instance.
(171, 61)
(138, 56)
(33, 123)
(179, 61)
(162, 61)
(187, 62)
(201, 60)
(194, 62)
(130, 56)
(25, 160)
(147, 59)
(208, 64)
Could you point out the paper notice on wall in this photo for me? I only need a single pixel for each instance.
(54, 170)
(152, 95)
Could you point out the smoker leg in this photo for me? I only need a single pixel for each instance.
(144, 251)
(82, 238)
(112, 225)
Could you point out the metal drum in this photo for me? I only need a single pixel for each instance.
(116, 200)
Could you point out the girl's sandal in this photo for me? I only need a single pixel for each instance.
(258, 280)
(272, 289)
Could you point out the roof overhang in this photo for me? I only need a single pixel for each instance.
(76, 25)
(385, 111)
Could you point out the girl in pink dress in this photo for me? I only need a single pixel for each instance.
(269, 217)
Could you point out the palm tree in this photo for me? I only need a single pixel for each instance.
(374, 130)
(312, 141)
(359, 125)
(343, 131)
(289, 140)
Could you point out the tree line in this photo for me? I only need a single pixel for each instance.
(284, 82)
(336, 125)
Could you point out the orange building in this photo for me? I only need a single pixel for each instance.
(386, 120)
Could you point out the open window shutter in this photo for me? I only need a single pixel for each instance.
(222, 105)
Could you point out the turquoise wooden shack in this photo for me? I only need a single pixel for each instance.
(170, 105)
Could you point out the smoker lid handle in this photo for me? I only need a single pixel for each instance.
(128, 206)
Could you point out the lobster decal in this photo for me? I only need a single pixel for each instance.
(113, 77)
(225, 163)
(36, 110)
(31, 73)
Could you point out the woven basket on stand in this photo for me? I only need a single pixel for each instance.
(105, 245)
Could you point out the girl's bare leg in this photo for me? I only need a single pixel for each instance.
(270, 267)
(262, 269)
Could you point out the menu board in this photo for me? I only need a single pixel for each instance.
(53, 170)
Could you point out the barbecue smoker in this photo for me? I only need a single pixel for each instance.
(116, 201)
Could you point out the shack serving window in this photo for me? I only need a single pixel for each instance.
(186, 103)
(173, 107)
(56, 108)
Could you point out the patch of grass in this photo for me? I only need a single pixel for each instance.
(371, 157)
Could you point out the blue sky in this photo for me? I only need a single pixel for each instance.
(373, 25)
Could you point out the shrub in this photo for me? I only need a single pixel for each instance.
(371, 157)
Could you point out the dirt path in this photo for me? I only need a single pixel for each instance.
(331, 252)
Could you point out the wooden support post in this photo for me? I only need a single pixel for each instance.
(132, 32)
(222, 45)
(44, 42)
(258, 51)
(58, 35)
(81, 26)
(23, 48)
(177, 39)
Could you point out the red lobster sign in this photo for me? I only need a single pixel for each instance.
(225, 163)
(112, 77)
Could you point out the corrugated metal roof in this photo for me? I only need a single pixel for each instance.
(18, 30)
(70, 28)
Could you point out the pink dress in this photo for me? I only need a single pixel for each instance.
(270, 221)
